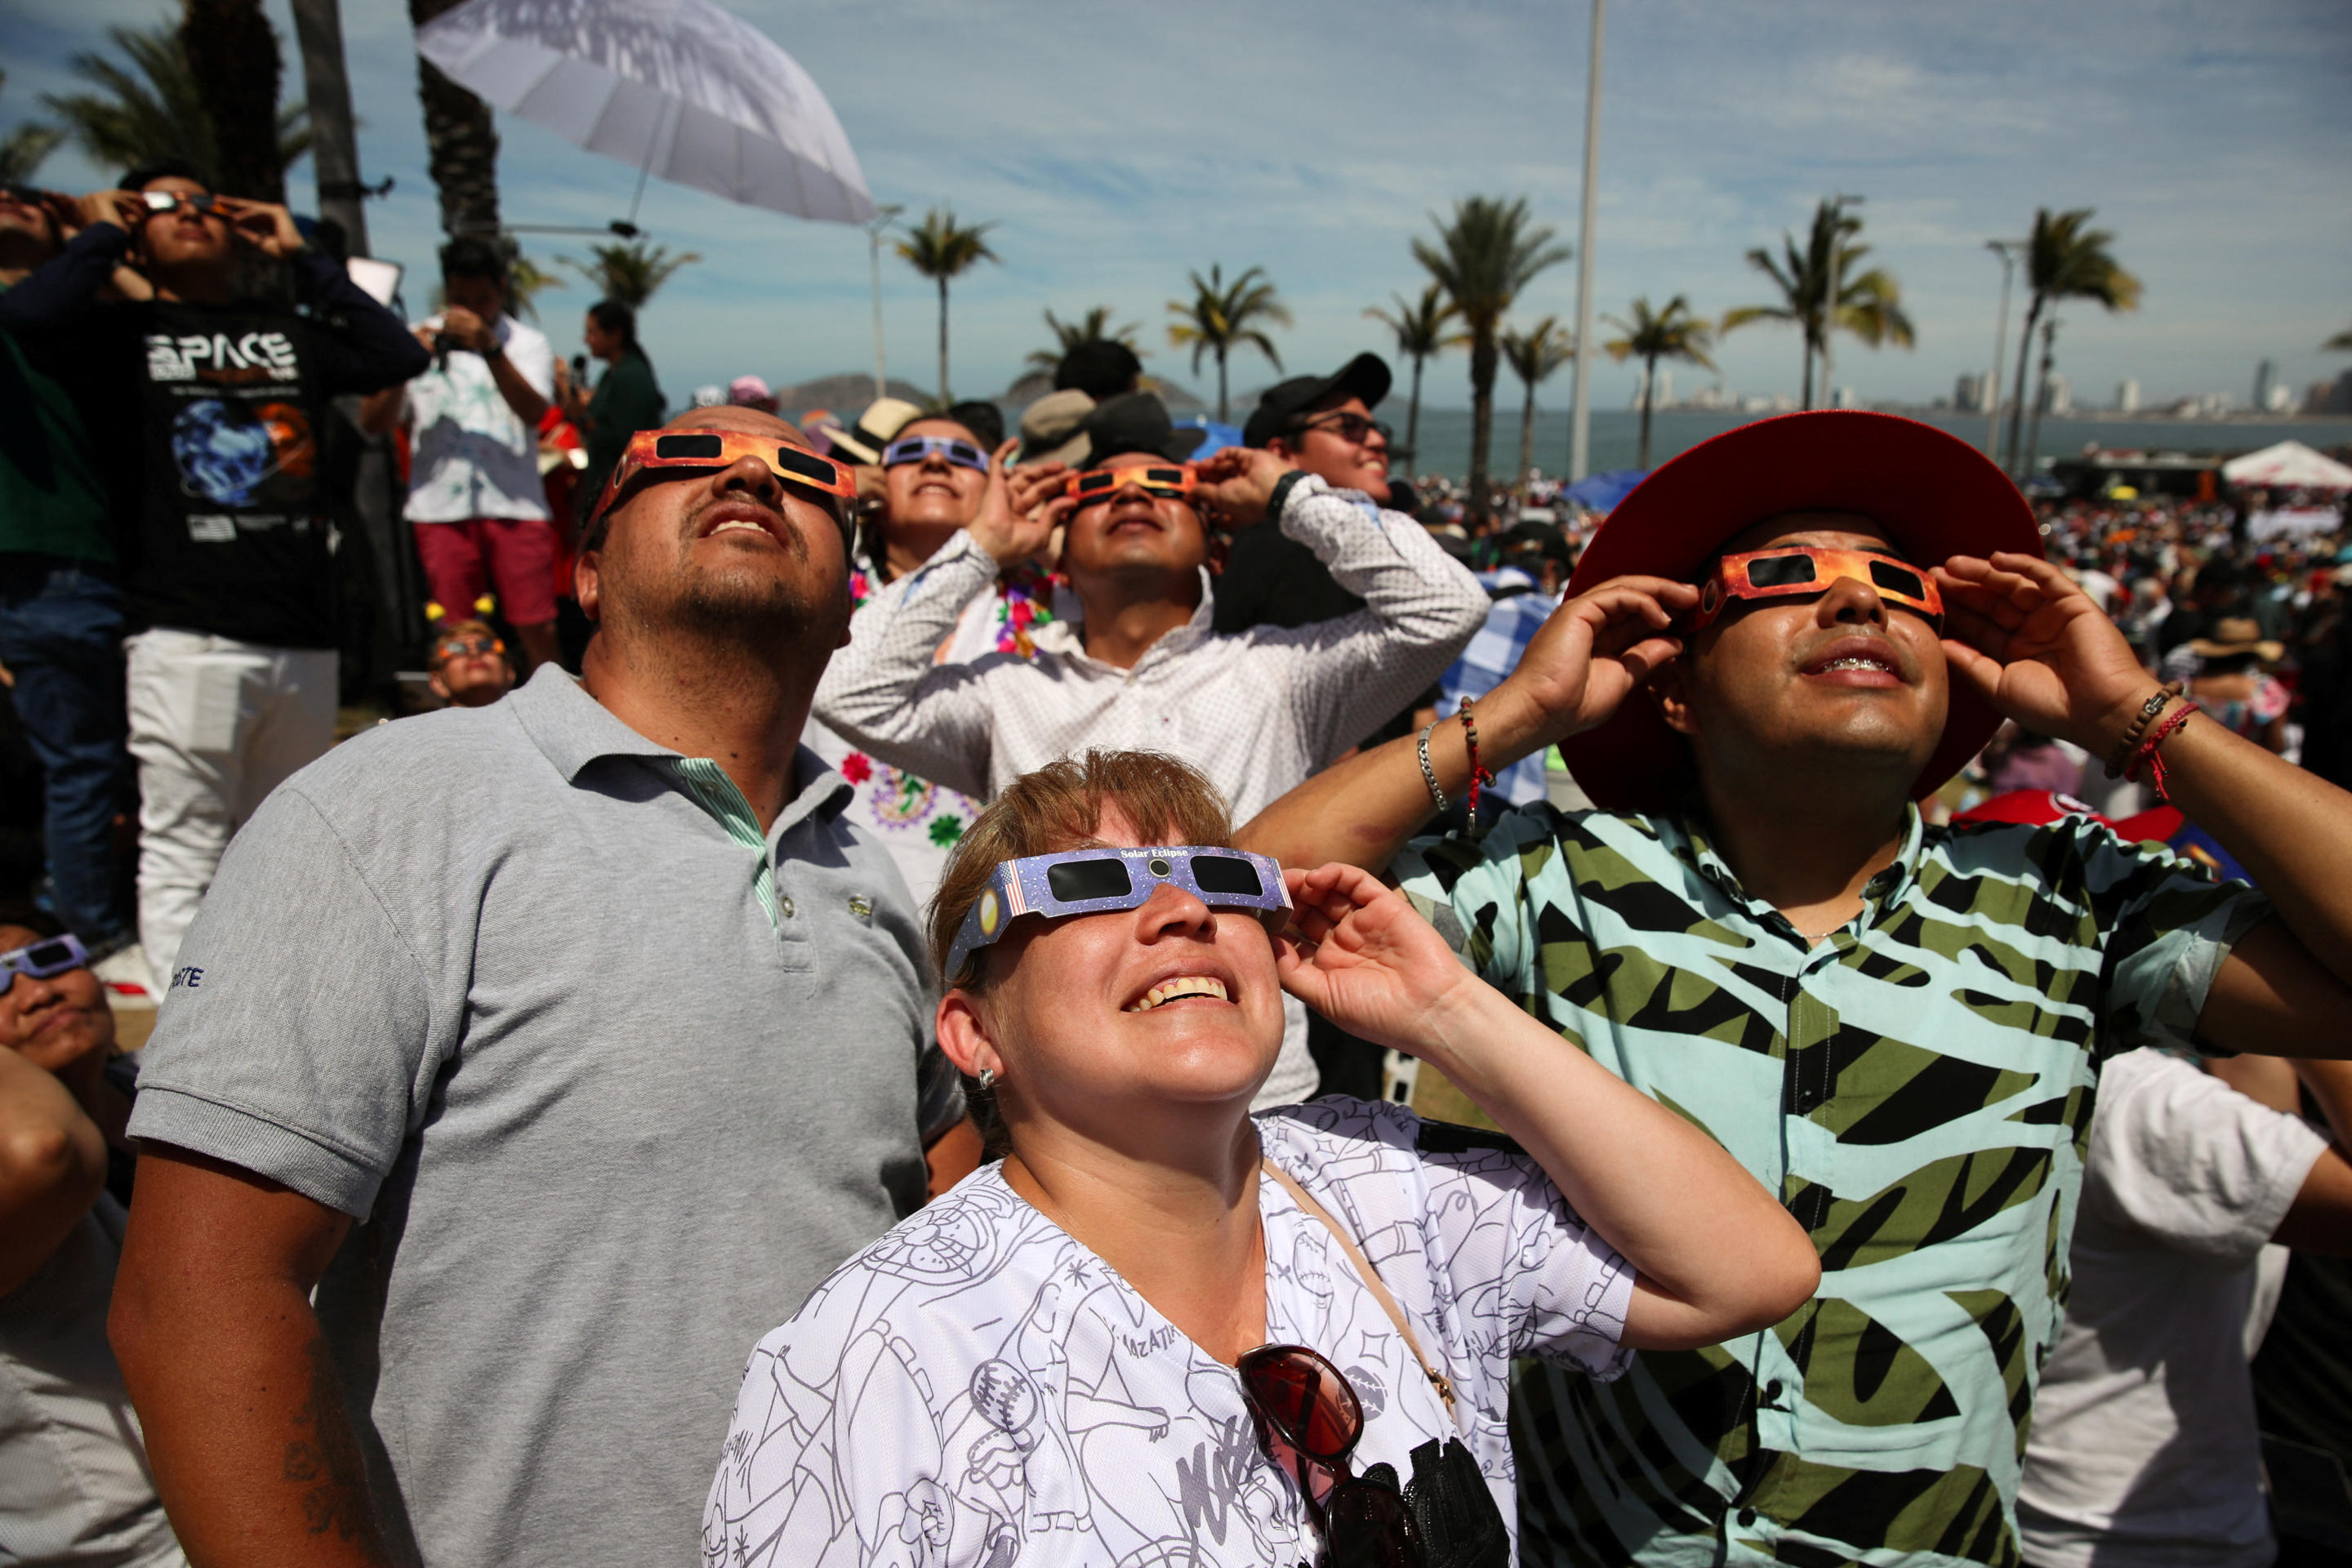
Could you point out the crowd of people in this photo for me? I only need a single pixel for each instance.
(1180, 1004)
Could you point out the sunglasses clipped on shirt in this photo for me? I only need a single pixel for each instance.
(1173, 482)
(659, 451)
(1352, 428)
(1803, 571)
(915, 448)
(1103, 881)
(1309, 1420)
(50, 955)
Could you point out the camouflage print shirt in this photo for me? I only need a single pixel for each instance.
(1916, 1087)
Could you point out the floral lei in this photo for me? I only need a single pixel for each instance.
(1024, 600)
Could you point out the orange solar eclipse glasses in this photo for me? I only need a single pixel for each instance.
(835, 487)
(1171, 481)
(1802, 571)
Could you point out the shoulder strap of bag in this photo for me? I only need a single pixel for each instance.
(1371, 1277)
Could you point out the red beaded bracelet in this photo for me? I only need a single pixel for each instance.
(1478, 775)
(2148, 756)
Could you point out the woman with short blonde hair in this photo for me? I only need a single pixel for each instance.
(1162, 1330)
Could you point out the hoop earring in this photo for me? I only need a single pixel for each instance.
(988, 1078)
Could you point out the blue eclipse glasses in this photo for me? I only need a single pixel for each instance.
(915, 448)
(50, 955)
(1103, 881)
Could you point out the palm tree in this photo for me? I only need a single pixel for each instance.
(233, 58)
(1420, 326)
(146, 106)
(1485, 254)
(1671, 333)
(461, 141)
(630, 273)
(1533, 355)
(525, 278)
(23, 148)
(941, 250)
(2042, 395)
(1222, 317)
(1093, 327)
(2341, 343)
(2066, 259)
(1869, 301)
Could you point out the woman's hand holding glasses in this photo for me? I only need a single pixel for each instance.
(1371, 964)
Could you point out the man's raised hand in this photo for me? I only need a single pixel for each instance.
(2020, 631)
(1236, 483)
(1593, 651)
(1021, 508)
(267, 226)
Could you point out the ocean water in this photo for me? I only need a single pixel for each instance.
(1616, 435)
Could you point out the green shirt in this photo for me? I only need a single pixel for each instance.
(1917, 1090)
(51, 500)
(627, 399)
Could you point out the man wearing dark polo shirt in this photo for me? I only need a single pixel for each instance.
(580, 1023)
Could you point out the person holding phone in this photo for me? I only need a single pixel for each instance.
(227, 581)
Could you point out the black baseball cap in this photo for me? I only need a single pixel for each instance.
(1137, 422)
(1365, 377)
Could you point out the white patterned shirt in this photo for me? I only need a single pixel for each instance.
(1256, 711)
(473, 456)
(978, 1387)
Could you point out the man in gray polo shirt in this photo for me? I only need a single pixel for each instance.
(593, 1013)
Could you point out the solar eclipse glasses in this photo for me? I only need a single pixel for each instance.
(1103, 881)
(1802, 571)
(1174, 482)
(835, 487)
(915, 448)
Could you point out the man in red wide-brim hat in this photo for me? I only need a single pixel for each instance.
(1777, 644)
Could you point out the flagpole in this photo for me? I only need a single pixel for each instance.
(1579, 419)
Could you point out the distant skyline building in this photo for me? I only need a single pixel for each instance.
(1968, 392)
(2127, 396)
(2057, 396)
(2265, 377)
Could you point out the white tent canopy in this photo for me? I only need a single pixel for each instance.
(676, 88)
(2290, 465)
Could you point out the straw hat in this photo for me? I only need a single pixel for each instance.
(884, 418)
(2236, 635)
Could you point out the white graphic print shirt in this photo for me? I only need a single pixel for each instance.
(977, 1389)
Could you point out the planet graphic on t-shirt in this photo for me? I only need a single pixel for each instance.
(226, 452)
(223, 452)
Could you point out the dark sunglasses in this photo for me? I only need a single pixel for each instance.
(25, 195)
(1175, 482)
(160, 202)
(1350, 426)
(1309, 1420)
(51, 955)
(455, 648)
(915, 448)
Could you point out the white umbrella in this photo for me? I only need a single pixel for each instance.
(675, 87)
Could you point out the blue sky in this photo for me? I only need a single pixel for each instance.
(1118, 146)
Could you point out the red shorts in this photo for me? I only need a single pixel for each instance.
(461, 558)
